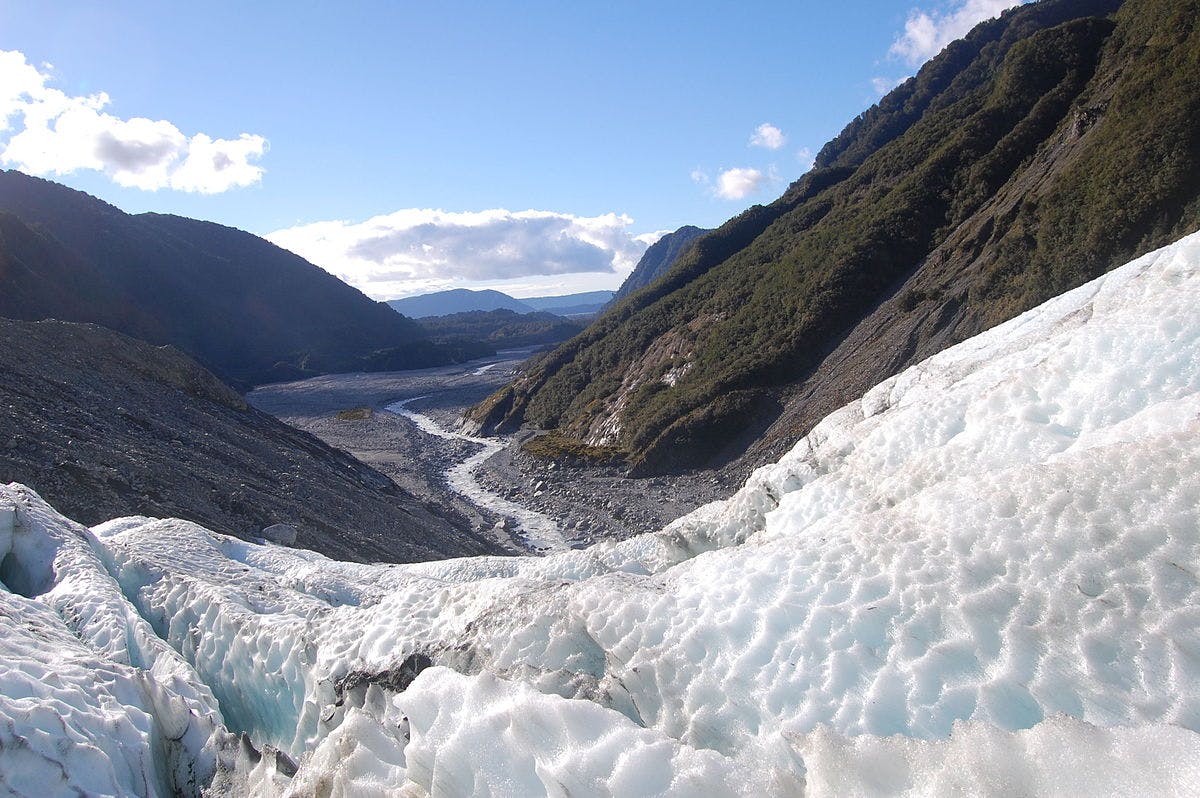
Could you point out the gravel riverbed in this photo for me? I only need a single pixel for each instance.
(589, 503)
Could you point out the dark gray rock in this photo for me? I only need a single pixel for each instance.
(103, 425)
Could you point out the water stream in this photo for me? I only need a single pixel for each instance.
(537, 531)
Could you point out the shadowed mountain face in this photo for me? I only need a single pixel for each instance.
(1043, 149)
(250, 311)
(456, 300)
(110, 426)
(658, 259)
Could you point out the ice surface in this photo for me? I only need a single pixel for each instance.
(1059, 756)
(981, 578)
(92, 701)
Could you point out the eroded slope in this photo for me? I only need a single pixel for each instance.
(1038, 152)
(104, 425)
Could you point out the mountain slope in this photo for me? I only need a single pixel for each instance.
(658, 259)
(107, 425)
(1039, 151)
(502, 328)
(456, 300)
(245, 308)
(979, 579)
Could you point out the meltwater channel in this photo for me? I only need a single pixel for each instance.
(538, 531)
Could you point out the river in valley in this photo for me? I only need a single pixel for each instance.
(536, 530)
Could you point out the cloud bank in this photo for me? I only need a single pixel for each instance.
(44, 131)
(882, 85)
(926, 33)
(418, 250)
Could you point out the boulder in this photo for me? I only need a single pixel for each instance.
(283, 534)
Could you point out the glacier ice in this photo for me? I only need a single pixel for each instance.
(92, 700)
(981, 577)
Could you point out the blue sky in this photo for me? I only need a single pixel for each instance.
(534, 147)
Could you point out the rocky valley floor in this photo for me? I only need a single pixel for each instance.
(588, 503)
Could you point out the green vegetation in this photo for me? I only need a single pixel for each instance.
(502, 328)
(356, 414)
(1040, 151)
(555, 446)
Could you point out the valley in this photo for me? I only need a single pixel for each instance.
(361, 414)
(453, 472)
(979, 579)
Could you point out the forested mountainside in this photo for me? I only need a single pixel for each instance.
(245, 308)
(658, 259)
(1039, 151)
(108, 425)
(501, 328)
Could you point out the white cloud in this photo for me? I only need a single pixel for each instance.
(212, 166)
(45, 131)
(883, 85)
(926, 33)
(806, 157)
(738, 183)
(418, 250)
(700, 177)
(768, 136)
(650, 239)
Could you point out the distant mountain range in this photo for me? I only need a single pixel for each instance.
(456, 300)
(462, 300)
(245, 308)
(1041, 150)
(654, 263)
(583, 304)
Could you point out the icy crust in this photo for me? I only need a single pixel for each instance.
(1059, 756)
(92, 701)
(980, 576)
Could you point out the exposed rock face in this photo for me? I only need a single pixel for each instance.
(658, 259)
(1038, 152)
(108, 426)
